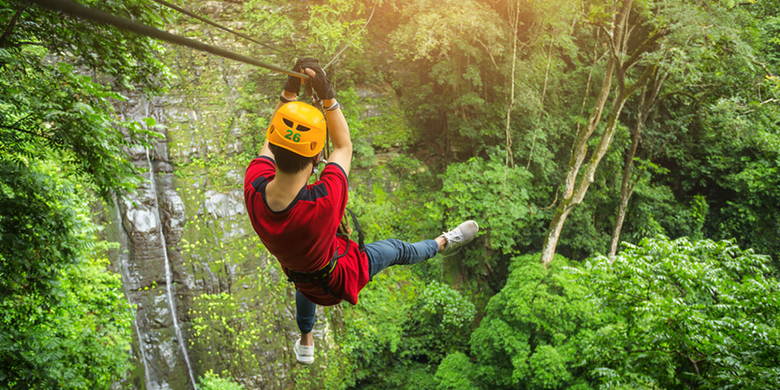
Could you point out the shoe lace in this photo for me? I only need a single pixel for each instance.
(453, 236)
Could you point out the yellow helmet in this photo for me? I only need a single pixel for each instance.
(299, 128)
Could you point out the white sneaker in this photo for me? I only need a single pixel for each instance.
(461, 235)
(303, 353)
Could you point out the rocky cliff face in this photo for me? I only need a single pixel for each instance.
(208, 296)
(152, 220)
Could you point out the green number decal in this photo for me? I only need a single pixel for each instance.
(293, 136)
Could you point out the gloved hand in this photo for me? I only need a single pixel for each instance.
(293, 84)
(320, 81)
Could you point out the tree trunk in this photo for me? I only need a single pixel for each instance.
(626, 186)
(646, 104)
(445, 129)
(11, 25)
(571, 192)
(576, 185)
(554, 233)
(510, 160)
(541, 101)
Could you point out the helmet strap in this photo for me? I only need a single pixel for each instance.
(316, 161)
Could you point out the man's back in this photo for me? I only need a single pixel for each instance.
(303, 235)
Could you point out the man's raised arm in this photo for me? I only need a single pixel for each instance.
(290, 93)
(338, 130)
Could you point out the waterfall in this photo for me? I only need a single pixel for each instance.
(125, 273)
(168, 273)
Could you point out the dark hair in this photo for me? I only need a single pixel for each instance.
(289, 162)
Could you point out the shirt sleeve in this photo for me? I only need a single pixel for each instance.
(337, 185)
(261, 167)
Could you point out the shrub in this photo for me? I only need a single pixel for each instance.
(212, 381)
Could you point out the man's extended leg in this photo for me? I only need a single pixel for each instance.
(382, 254)
(305, 315)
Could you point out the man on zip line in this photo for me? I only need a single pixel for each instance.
(299, 222)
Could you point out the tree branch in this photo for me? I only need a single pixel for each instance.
(19, 43)
(553, 202)
(510, 161)
(639, 83)
(487, 50)
(18, 121)
(541, 102)
(11, 25)
(641, 49)
(612, 48)
(25, 131)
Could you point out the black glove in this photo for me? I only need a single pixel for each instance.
(293, 83)
(320, 81)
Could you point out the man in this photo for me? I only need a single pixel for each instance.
(298, 223)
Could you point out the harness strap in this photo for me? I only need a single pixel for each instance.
(322, 276)
(355, 222)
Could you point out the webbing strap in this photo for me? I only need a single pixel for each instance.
(322, 276)
(312, 277)
(359, 230)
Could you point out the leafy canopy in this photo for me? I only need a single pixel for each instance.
(661, 314)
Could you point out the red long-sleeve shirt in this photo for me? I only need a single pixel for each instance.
(303, 236)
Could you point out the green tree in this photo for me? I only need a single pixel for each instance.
(638, 38)
(65, 321)
(661, 314)
(500, 198)
(686, 314)
(400, 331)
(531, 333)
(50, 98)
(212, 381)
(719, 98)
(724, 108)
(448, 76)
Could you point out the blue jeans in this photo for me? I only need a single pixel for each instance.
(381, 254)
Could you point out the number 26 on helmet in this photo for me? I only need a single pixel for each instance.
(298, 127)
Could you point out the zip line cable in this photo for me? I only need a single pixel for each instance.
(217, 25)
(348, 44)
(74, 9)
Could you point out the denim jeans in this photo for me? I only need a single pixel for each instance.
(381, 254)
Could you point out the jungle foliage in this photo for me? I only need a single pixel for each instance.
(525, 115)
(695, 85)
(661, 314)
(65, 321)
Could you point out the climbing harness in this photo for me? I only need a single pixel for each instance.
(74, 9)
(322, 276)
(355, 222)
